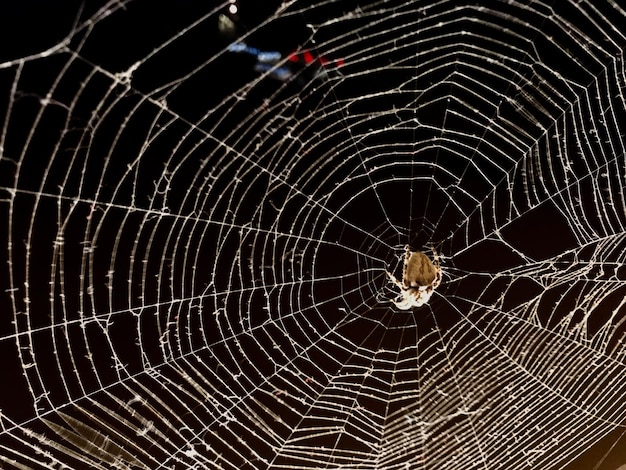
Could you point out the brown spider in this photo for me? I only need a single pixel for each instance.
(420, 277)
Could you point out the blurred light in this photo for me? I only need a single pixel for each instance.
(233, 9)
(226, 26)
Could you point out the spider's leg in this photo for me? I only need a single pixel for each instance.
(394, 280)
(437, 280)
(407, 257)
(435, 255)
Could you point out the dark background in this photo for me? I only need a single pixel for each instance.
(31, 27)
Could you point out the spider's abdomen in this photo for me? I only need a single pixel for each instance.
(420, 270)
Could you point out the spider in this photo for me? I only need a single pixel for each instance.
(420, 277)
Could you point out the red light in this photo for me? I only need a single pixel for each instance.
(308, 57)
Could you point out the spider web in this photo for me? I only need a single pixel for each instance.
(196, 251)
